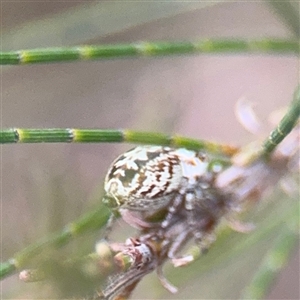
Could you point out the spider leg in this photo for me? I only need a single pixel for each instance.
(135, 219)
(109, 225)
(200, 219)
(164, 281)
(239, 226)
(173, 208)
(178, 242)
(190, 205)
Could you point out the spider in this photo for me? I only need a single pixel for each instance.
(155, 187)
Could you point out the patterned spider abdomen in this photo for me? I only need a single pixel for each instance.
(148, 177)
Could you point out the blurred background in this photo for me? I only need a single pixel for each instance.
(45, 186)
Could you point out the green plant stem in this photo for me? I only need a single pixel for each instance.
(66, 135)
(148, 49)
(93, 220)
(285, 126)
(289, 14)
(274, 261)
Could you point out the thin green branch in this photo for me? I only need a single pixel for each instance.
(288, 11)
(285, 126)
(93, 220)
(274, 261)
(68, 135)
(148, 49)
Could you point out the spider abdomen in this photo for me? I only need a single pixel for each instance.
(148, 177)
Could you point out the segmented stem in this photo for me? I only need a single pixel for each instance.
(285, 126)
(90, 221)
(53, 135)
(50, 55)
